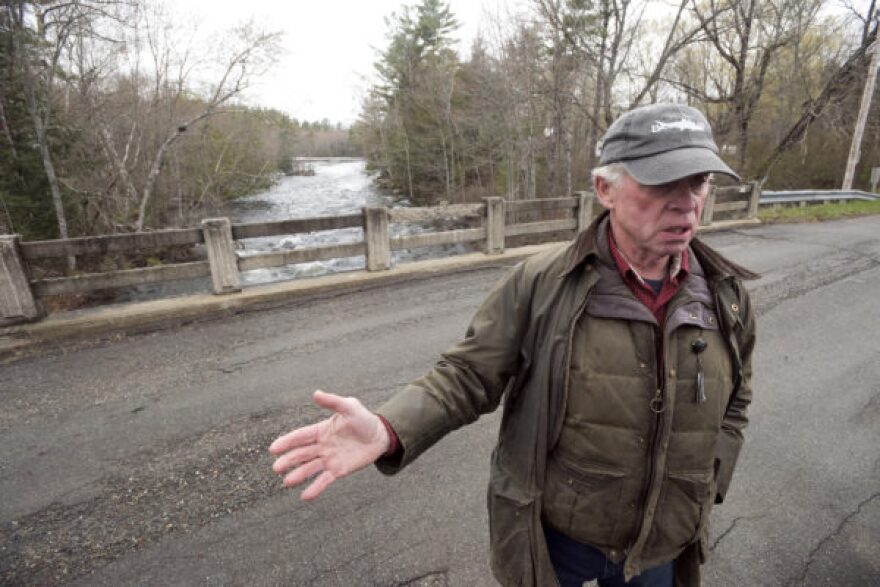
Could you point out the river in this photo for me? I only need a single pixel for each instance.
(337, 187)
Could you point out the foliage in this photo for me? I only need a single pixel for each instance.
(410, 106)
(819, 212)
(102, 130)
(520, 115)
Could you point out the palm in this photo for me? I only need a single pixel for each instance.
(349, 440)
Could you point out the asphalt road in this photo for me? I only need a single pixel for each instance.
(142, 460)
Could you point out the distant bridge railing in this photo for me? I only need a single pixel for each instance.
(21, 292)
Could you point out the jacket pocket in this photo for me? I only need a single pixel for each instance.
(682, 511)
(510, 516)
(582, 500)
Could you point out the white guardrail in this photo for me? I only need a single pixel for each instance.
(804, 197)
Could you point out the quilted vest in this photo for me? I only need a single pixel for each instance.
(623, 477)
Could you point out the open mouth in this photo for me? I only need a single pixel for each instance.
(677, 229)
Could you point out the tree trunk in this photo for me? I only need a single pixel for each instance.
(49, 168)
(409, 177)
(6, 132)
(156, 165)
(836, 88)
(117, 162)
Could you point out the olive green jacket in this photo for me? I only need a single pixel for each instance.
(518, 348)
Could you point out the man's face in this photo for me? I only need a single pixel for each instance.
(652, 222)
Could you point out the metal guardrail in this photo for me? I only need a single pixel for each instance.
(803, 197)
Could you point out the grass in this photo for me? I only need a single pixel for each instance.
(819, 212)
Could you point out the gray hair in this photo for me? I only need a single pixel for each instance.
(612, 173)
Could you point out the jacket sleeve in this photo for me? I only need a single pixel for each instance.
(468, 380)
(735, 418)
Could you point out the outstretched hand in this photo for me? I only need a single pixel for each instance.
(349, 440)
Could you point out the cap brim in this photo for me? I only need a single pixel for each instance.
(676, 164)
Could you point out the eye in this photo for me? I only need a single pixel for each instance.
(699, 182)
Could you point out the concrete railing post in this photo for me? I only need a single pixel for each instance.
(584, 212)
(754, 199)
(494, 223)
(708, 208)
(377, 238)
(221, 255)
(17, 302)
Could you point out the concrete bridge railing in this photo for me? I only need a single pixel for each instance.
(21, 293)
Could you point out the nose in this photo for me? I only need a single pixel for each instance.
(685, 196)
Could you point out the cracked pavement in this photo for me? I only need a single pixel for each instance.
(142, 460)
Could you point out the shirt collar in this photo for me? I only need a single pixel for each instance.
(678, 264)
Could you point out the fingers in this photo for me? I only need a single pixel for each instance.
(294, 457)
(318, 486)
(309, 434)
(331, 401)
(303, 472)
(299, 453)
(299, 437)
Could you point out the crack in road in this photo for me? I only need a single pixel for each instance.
(801, 580)
(768, 296)
(801, 242)
(368, 333)
(873, 402)
(437, 578)
(730, 528)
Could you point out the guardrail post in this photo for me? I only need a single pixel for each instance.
(378, 239)
(17, 302)
(708, 208)
(494, 223)
(586, 200)
(221, 255)
(754, 199)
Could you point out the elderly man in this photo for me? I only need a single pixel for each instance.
(624, 363)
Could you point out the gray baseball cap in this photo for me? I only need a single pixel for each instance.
(661, 143)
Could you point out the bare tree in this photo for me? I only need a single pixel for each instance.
(42, 32)
(234, 79)
(745, 36)
(839, 85)
(606, 34)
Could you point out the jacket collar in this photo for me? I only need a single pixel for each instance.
(587, 247)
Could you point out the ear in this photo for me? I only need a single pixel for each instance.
(604, 192)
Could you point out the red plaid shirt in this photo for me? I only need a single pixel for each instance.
(656, 302)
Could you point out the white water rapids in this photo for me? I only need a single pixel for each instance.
(337, 188)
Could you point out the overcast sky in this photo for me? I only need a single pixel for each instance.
(329, 47)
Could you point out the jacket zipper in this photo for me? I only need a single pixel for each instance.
(660, 383)
(660, 374)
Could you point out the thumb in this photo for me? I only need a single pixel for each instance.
(331, 401)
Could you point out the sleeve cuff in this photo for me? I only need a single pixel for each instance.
(394, 444)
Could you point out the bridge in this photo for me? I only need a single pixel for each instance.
(141, 458)
(23, 284)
